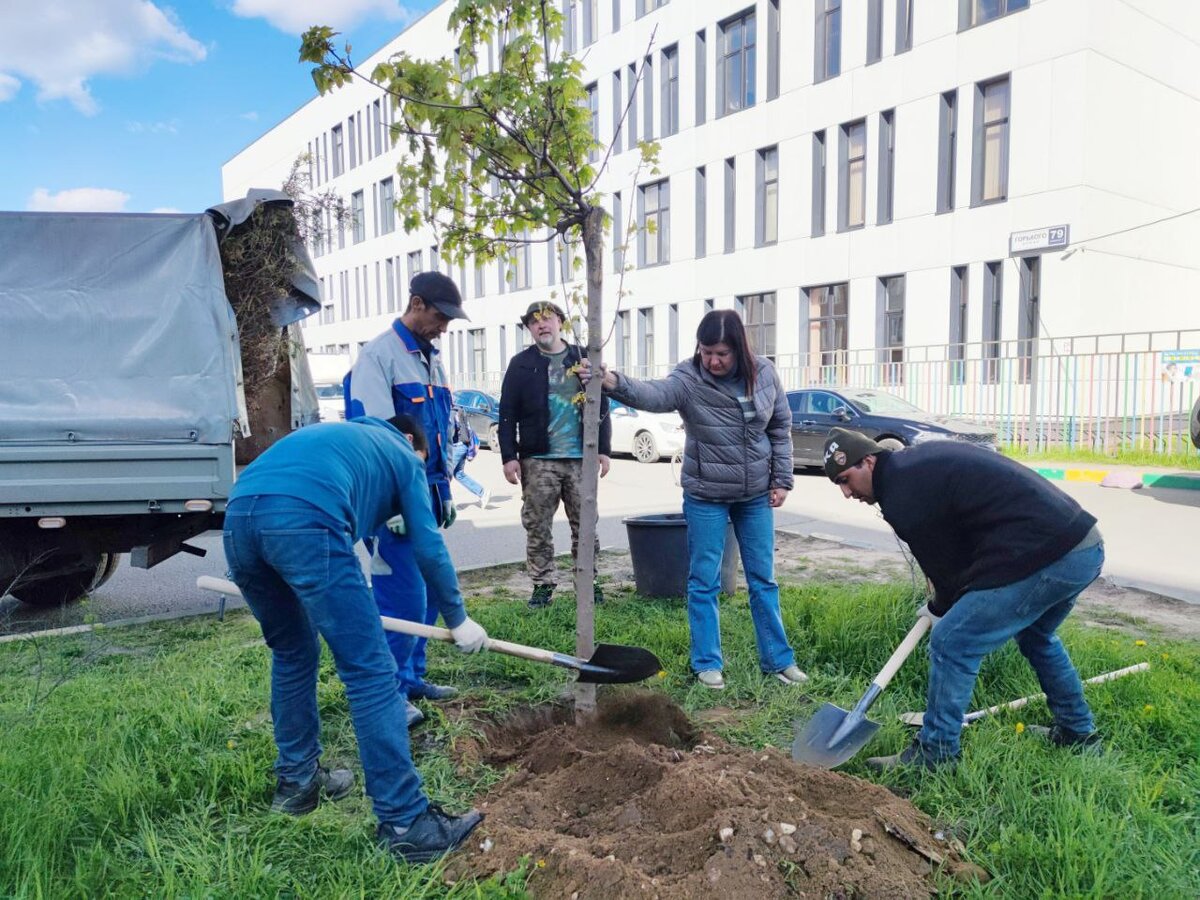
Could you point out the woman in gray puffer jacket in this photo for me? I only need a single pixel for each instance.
(737, 465)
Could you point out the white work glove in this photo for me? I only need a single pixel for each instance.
(926, 613)
(396, 526)
(469, 637)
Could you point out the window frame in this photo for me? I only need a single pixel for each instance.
(660, 240)
(744, 23)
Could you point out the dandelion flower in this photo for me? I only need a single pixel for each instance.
(1139, 643)
(541, 864)
(230, 744)
(1020, 728)
(1148, 707)
(662, 673)
(1166, 656)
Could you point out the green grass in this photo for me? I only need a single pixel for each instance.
(136, 762)
(1186, 457)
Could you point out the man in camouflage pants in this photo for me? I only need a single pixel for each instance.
(541, 441)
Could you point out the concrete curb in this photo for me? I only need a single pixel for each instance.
(1173, 480)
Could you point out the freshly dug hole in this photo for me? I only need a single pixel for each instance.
(637, 803)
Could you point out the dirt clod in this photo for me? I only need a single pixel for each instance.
(612, 808)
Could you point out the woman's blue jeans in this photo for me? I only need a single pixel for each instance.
(458, 465)
(754, 525)
(981, 621)
(300, 576)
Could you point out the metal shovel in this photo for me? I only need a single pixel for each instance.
(610, 664)
(833, 735)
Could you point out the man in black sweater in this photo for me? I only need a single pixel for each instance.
(1007, 554)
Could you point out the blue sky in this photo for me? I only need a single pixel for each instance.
(133, 105)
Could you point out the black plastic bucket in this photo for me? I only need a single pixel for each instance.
(658, 550)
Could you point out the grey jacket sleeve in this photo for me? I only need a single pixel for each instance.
(661, 395)
(779, 432)
(371, 387)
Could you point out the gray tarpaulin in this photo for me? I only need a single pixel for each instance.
(114, 327)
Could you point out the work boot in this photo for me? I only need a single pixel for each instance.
(791, 675)
(712, 678)
(412, 715)
(1062, 737)
(912, 755)
(543, 595)
(427, 690)
(597, 593)
(298, 799)
(429, 836)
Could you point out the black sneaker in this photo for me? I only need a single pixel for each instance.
(597, 593)
(912, 755)
(1063, 737)
(426, 690)
(430, 836)
(543, 595)
(298, 799)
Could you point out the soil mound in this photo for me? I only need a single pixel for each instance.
(637, 803)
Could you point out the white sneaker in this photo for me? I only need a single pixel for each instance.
(791, 675)
(485, 498)
(712, 678)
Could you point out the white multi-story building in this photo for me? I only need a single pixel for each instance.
(851, 175)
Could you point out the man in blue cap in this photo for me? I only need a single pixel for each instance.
(292, 520)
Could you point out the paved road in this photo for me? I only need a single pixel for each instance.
(1151, 537)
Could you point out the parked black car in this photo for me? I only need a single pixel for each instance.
(884, 417)
(483, 415)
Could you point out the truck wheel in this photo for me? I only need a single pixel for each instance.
(59, 590)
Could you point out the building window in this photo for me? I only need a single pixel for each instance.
(387, 206)
(709, 305)
(649, 6)
(736, 64)
(616, 15)
(904, 26)
(989, 183)
(887, 167)
(701, 76)
(646, 338)
(730, 205)
(1027, 316)
(620, 234)
(890, 327)
(818, 183)
(591, 21)
(623, 339)
(479, 290)
(947, 150)
(593, 98)
(477, 344)
(874, 31)
(568, 26)
(358, 213)
(521, 264)
(631, 117)
(414, 265)
(977, 12)
(353, 141)
(772, 49)
(766, 197)
(618, 109)
(435, 259)
(993, 301)
(852, 176)
(648, 99)
(389, 268)
(336, 135)
(701, 213)
(654, 223)
(377, 127)
(758, 314)
(828, 311)
(503, 347)
(669, 101)
(828, 56)
(673, 333)
(958, 324)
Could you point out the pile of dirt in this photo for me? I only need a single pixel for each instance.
(638, 803)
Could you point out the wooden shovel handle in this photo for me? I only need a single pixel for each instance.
(419, 629)
(901, 653)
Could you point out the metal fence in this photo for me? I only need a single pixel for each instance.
(1097, 392)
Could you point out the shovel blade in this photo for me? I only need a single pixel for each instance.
(812, 740)
(618, 664)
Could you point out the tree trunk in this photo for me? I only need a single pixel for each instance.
(585, 621)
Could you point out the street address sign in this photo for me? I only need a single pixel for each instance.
(1039, 240)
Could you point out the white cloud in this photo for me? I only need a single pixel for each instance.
(296, 16)
(78, 200)
(8, 87)
(165, 209)
(60, 45)
(171, 127)
(251, 116)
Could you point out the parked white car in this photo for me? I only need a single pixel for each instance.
(647, 436)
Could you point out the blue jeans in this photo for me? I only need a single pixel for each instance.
(754, 526)
(981, 621)
(458, 465)
(400, 592)
(300, 576)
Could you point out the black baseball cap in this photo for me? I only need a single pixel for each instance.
(845, 449)
(438, 291)
(540, 308)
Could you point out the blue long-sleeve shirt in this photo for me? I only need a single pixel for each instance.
(362, 473)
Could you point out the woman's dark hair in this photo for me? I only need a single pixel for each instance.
(406, 424)
(724, 326)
